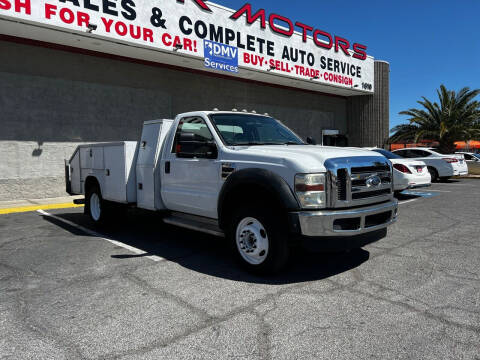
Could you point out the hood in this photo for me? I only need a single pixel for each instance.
(307, 158)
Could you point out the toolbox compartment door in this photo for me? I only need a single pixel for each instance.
(115, 174)
(153, 136)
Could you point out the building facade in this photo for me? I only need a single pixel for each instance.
(63, 84)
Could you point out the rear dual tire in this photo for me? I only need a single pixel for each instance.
(99, 210)
(95, 205)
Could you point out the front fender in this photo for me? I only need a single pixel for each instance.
(266, 181)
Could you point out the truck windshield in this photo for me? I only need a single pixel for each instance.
(245, 129)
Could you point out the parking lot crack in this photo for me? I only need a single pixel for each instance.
(169, 296)
(44, 332)
(202, 325)
(406, 244)
(410, 307)
(264, 343)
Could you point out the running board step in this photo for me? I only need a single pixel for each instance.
(196, 223)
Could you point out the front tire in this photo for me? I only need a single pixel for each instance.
(259, 240)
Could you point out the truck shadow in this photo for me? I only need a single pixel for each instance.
(207, 254)
(403, 196)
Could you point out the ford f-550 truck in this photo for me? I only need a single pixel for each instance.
(245, 177)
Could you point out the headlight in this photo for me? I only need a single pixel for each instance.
(310, 190)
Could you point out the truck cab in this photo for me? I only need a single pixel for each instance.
(246, 177)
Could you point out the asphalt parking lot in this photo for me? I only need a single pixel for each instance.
(151, 291)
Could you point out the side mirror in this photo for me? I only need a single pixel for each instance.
(311, 141)
(191, 146)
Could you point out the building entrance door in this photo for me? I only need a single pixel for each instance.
(334, 138)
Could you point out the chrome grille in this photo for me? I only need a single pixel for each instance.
(359, 181)
(342, 184)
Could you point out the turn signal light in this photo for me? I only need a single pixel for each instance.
(305, 187)
(402, 168)
(310, 190)
(450, 160)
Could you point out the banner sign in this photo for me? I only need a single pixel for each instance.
(220, 57)
(225, 39)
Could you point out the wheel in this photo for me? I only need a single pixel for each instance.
(433, 173)
(95, 205)
(259, 240)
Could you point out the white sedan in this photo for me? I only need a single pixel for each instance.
(440, 166)
(407, 173)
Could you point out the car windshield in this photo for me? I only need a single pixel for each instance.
(246, 129)
(387, 154)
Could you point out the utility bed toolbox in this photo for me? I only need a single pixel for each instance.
(113, 164)
(127, 171)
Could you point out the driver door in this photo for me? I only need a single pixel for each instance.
(190, 184)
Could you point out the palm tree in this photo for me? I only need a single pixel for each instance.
(456, 117)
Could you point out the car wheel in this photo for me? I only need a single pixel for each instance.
(259, 240)
(433, 173)
(95, 205)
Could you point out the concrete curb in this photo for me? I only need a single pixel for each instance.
(38, 207)
(469, 177)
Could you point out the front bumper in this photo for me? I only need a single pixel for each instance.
(345, 222)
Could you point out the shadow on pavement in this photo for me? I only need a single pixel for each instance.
(406, 196)
(449, 181)
(207, 254)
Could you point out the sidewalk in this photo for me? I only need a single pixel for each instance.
(470, 177)
(16, 206)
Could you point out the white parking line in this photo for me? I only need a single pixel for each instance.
(455, 184)
(95, 234)
(407, 201)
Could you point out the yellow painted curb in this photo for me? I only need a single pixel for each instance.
(37, 207)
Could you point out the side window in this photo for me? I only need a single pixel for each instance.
(192, 125)
(419, 153)
(468, 157)
(402, 153)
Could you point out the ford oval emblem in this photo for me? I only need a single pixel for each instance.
(373, 181)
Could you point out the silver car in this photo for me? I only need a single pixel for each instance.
(473, 162)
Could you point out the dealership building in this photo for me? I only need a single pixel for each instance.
(81, 71)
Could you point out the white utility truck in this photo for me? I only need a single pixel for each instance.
(242, 176)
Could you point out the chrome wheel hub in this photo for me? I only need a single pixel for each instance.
(252, 241)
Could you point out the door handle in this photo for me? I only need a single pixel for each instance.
(167, 167)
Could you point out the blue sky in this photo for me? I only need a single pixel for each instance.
(426, 42)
